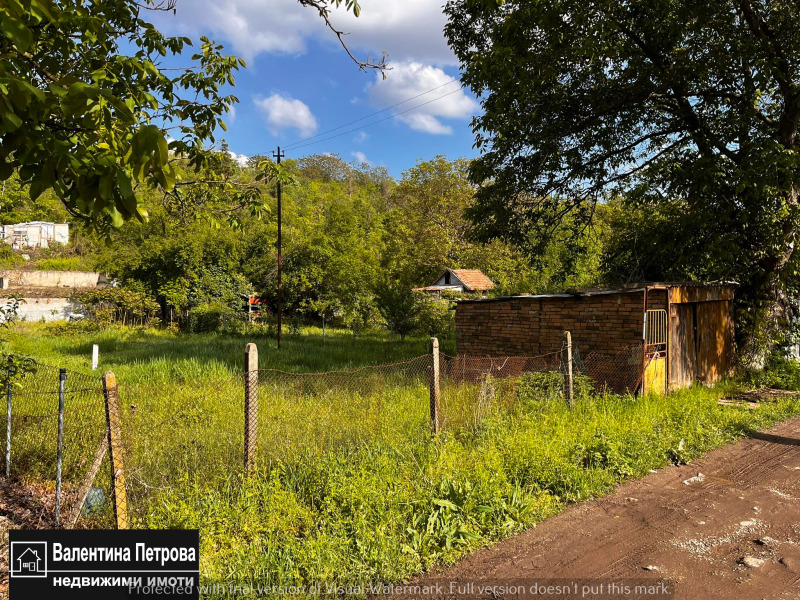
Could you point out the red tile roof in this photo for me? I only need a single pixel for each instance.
(473, 279)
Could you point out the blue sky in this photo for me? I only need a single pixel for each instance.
(299, 82)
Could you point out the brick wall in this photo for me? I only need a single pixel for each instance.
(530, 326)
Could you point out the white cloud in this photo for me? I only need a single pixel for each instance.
(409, 79)
(361, 137)
(360, 157)
(239, 158)
(406, 29)
(283, 112)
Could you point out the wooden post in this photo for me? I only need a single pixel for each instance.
(250, 406)
(83, 491)
(568, 337)
(115, 450)
(436, 411)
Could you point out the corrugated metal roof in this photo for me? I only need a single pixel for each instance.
(605, 291)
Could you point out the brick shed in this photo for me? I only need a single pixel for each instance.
(683, 331)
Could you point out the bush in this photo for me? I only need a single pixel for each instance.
(8, 258)
(780, 372)
(213, 316)
(126, 306)
(435, 316)
(535, 388)
(63, 263)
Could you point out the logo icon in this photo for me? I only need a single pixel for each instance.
(28, 559)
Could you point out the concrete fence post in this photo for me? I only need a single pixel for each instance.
(95, 356)
(115, 452)
(568, 343)
(436, 411)
(250, 406)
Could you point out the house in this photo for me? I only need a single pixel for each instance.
(28, 561)
(681, 332)
(462, 281)
(36, 234)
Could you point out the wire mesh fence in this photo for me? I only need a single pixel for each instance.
(214, 429)
(620, 372)
(317, 412)
(474, 387)
(56, 426)
(194, 433)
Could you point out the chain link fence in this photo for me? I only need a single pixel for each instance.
(216, 430)
(319, 412)
(51, 433)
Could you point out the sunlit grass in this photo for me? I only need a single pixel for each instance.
(351, 487)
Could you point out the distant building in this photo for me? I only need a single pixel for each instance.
(36, 234)
(469, 281)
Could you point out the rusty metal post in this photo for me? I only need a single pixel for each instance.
(9, 397)
(644, 342)
(436, 410)
(250, 406)
(62, 385)
(568, 337)
(114, 424)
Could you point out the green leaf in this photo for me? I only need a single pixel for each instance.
(17, 32)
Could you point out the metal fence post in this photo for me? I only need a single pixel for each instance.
(436, 411)
(115, 450)
(568, 337)
(250, 406)
(9, 397)
(62, 385)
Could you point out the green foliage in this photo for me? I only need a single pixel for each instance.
(685, 109)
(118, 305)
(535, 389)
(212, 316)
(435, 316)
(396, 304)
(385, 501)
(78, 111)
(64, 263)
(780, 372)
(8, 258)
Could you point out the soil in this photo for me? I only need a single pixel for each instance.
(22, 506)
(726, 526)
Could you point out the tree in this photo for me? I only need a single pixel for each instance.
(81, 116)
(395, 302)
(690, 104)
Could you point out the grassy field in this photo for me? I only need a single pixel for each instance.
(351, 488)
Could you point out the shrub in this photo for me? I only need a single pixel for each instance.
(534, 388)
(63, 263)
(780, 372)
(210, 317)
(122, 305)
(8, 258)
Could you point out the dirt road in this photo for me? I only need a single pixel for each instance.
(725, 526)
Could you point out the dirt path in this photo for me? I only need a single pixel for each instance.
(732, 532)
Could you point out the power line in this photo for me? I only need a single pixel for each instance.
(375, 122)
(290, 146)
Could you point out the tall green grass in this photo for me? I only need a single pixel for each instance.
(350, 487)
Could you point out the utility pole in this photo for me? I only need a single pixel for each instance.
(278, 155)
